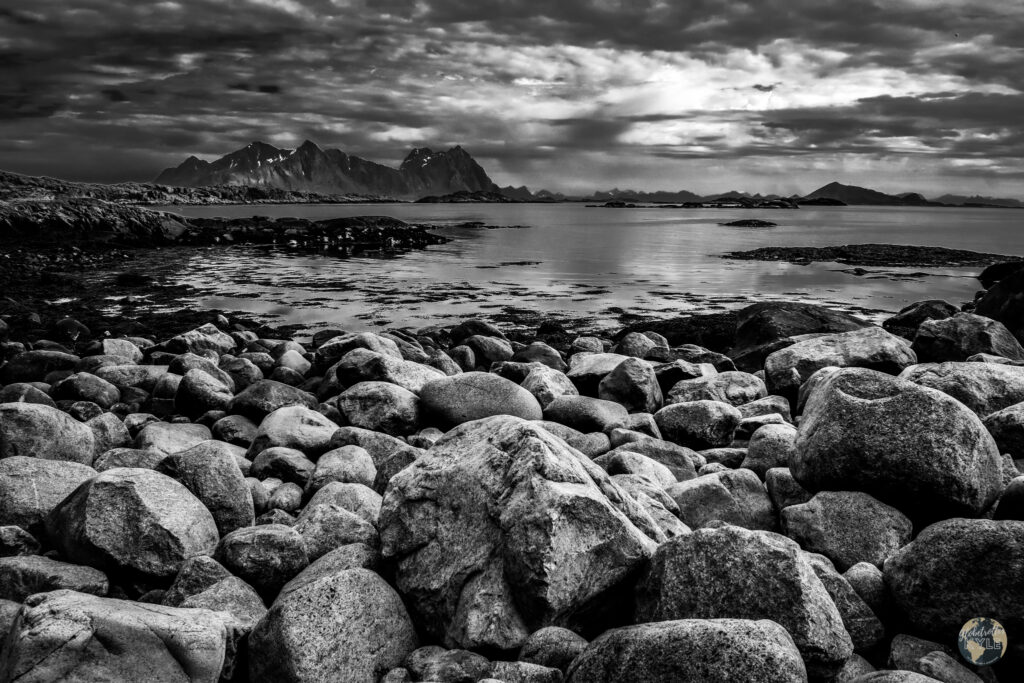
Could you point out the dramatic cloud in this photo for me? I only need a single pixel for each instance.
(570, 95)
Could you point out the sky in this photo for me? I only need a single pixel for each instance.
(777, 96)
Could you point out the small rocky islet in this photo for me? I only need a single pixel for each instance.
(829, 500)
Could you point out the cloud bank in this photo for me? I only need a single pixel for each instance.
(706, 95)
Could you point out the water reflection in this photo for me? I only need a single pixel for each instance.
(586, 261)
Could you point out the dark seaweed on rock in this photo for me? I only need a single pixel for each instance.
(874, 255)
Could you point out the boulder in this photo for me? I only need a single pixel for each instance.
(170, 438)
(203, 338)
(732, 387)
(474, 395)
(22, 392)
(356, 498)
(348, 464)
(15, 541)
(128, 457)
(552, 646)
(261, 398)
(733, 496)
(286, 464)
(847, 527)
(83, 386)
(488, 350)
(711, 650)
(627, 462)
(539, 352)
(958, 569)
(133, 521)
(199, 391)
(865, 628)
(39, 431)
(109, 431)
(633, 385)
(635, 344)
(547, 384)
(266, 556)
(1003, 302)
(734, 573)
(31, 487)
(363, 365)
(296, 427)
(27, 575)
(586, 370)
(698, 424)
(763, 328)
(237, 430)
(70, 636)
(909, 446)
(34, 366)
(906, 322)
(585, 414)
(770, 446)
(488, 548)
(1007, 428)
(211, 473)
(983, 387)
(783, 489)
(872, 348)
(959, 337)
(383, 407)
(346, 627)
(325, 527)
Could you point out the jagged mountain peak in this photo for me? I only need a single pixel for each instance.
(311, 168)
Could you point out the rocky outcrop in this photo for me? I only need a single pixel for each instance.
(500, 528)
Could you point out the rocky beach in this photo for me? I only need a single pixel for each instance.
(779, 493)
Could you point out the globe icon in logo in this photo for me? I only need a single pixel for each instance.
(982, 641)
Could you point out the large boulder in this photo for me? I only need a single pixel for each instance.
(911, 447)
(346, 626)
(909, 318)
(732, 496)
(983, 387)
(134, 521)
(501, 528)
(40, 431)
(872, 348)
(1007, 427)
(83, 386)
(1003, 302)
(734, 573)
(363, 365)
(586, 370)
(382, 407)
(295, 427)
(633, 385)
(266, 556)
(475, 395)
(211, 473)
(699, 424)
(31, 487)
(959, 569)
(547, 384)
(763, 328)
(961, 336)
(710, 650)
(35, 365)
(586, 414)
(847, 527)
(70, 636)
(261, 398)
(732, 387)
(27, 575)
(203, 338)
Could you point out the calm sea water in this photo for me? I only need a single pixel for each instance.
(575, 261)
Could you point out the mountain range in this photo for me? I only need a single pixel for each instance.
(309, 168)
